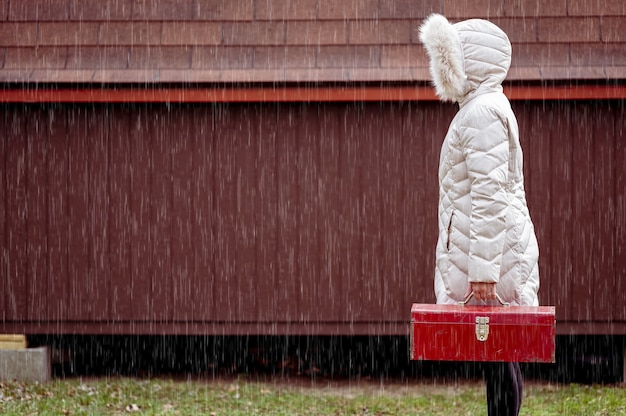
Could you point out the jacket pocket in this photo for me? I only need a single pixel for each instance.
(449, 231)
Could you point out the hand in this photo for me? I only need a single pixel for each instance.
(482, 291)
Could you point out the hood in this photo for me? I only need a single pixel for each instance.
(465, 56)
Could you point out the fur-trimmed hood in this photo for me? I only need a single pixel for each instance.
(465, 56)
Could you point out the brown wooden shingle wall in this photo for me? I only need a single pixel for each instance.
(76, 41)
(290, 218)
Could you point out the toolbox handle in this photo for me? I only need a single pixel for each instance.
(469, 297)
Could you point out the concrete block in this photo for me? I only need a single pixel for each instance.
(30, 364)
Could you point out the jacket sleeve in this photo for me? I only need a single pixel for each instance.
(485, 144)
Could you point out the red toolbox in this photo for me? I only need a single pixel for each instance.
(483, 333)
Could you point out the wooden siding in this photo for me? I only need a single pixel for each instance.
(281, 218)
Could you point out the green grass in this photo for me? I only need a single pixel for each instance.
(161, 396)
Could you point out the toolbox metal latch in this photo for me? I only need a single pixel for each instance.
(482, 328)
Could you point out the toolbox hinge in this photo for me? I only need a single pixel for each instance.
(482, 328)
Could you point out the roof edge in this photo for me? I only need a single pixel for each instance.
(338, 92)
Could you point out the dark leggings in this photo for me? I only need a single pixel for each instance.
(504, 388)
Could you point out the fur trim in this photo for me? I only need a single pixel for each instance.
(443, 46)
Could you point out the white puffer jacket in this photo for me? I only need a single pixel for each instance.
(485, 230)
